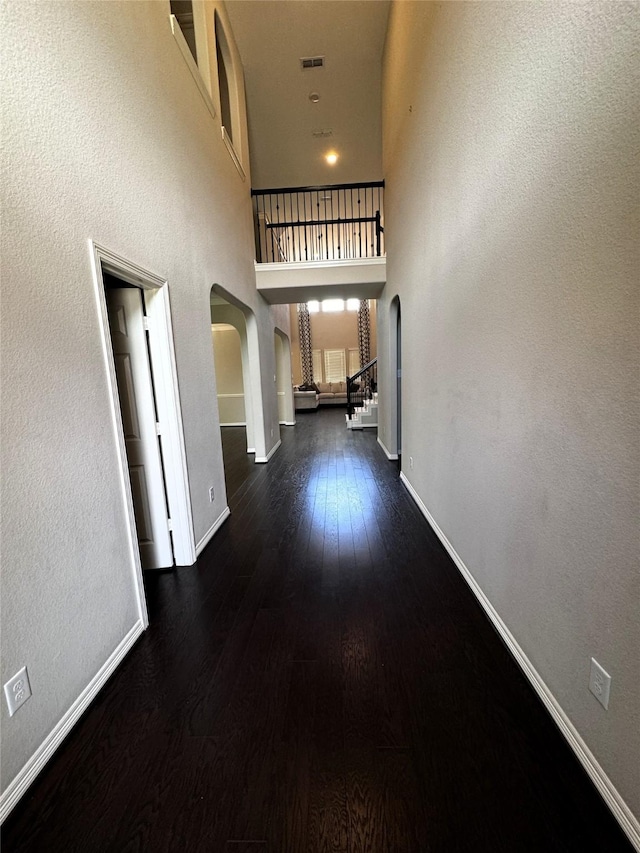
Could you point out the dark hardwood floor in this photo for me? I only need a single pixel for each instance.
(321, 680)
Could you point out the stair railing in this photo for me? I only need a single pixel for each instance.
(330, 222)
(359, 391)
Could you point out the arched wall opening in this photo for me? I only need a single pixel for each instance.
(224, 313)
(284, 381)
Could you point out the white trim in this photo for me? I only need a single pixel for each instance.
(605, 786)
(202, 544)
(174, 452)
(270, 453)
(43, 753)
(234, 423)
(191, 64)
(163, 360)
(230, 395)
(313, 265)
(287, 423)
(251, 450)
(232, 151)
(388, 454)
(116, 419)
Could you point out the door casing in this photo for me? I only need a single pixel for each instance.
(162, 357)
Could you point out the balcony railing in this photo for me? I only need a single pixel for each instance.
(327, 223)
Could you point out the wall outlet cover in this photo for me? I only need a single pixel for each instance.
(17, 690)
(599, 683)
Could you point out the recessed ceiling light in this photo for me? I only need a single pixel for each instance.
(331, 158)
(314, 97)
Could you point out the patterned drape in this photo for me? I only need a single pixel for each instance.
(364, 332)
(304, 331)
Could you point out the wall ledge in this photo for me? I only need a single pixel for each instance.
(605, 786)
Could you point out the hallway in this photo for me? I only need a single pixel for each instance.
(321, 679)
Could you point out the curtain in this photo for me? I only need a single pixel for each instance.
(304, 331)
(364, 332)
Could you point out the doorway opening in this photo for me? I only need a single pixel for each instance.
(128, 327)
(235, 350)
(137, 336)
(284, 379)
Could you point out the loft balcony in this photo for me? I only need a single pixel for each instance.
(320, 242)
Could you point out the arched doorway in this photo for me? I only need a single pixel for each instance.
(284, 380)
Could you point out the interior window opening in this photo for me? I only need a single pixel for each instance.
(183, 11)
(223, 58)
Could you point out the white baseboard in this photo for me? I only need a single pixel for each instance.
(202, 544)
(287, 423)
(251, 450)
(391, 456)
(34, 765)
(605, 786)
(270, 453)
(238, 423)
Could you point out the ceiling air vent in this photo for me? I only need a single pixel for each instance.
(312, 62)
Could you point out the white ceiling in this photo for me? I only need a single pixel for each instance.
(272, 36)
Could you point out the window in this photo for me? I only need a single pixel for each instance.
(313, 307)
(316, 357)
(353, 304)
(329, 305)
(335, 368)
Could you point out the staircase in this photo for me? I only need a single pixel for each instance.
(362, 397)
(364, 416)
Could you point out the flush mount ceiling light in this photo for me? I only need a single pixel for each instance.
(331, 158)
(314, 97)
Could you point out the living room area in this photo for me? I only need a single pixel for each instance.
(330, 340)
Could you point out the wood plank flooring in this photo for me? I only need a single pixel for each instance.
(321, 680)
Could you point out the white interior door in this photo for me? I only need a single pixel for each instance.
(137, 404)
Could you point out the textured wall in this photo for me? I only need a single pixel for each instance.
(510, 138)
(106, 137)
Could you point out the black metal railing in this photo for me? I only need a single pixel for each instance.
(325, 223)
(362, 386)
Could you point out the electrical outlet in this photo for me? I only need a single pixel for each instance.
(211, 494)
(17, 690)
(600, 683)
(411, 462)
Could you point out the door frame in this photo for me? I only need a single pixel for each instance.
(163, 363)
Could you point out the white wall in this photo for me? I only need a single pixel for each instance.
(510, 131)
(106, 137)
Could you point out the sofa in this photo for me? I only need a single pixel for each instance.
(309, 397)
(332, 393)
